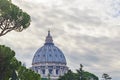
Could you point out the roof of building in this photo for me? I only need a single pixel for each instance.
(49, 53)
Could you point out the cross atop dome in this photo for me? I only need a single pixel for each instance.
(49, 40)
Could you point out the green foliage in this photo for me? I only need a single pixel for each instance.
(87, 76)
(6, 55)
(12, 69)
(80, 75)
(68, 76)
(27, 74)
(106, 76)
(44, 79)
(84, 75)
(4, 5)
(49, 77)
(12, 18)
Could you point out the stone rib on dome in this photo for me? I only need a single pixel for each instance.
(49, 53)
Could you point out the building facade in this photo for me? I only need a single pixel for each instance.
(49, 60)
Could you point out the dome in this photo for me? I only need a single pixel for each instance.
(49, 53)
(49, 60)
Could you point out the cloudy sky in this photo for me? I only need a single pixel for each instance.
(87, 31)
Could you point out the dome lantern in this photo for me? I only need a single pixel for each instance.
(49, 40)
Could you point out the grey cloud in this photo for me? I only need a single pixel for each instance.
(97, 54)
(104, 54)
(56, 15)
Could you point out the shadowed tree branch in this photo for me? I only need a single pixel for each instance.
(12, 18)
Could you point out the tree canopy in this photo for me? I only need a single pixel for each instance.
(106, 76)
(68, 76)
(80, 75)
(12, 69)
(12, 18)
